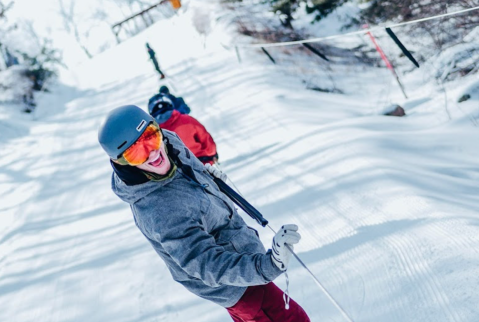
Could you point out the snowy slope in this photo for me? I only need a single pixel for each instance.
(387, 207)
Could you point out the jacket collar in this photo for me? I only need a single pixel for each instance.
(128, 174)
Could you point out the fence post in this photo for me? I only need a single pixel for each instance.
(269, 56)
(402, 47)
(238, 54)
(385, 59)
(314, 50)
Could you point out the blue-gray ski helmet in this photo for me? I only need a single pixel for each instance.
(121, 128)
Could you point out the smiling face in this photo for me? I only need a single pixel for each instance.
(158, 162)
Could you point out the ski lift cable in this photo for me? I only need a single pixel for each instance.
(363, 31)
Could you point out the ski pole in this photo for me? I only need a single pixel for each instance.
(241, 202)
(256, 215)
(217, 164)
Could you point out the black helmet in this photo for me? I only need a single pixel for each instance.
(159, 104)
(164, 90)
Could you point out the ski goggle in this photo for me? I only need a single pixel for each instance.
(140, 151)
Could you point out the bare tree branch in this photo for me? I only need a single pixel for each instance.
(71, 25)
(4, 8)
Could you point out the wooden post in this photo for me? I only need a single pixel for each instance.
(126, 24)
(238, 54)
(144, 20)
(150, 17)
(116, 32)
(315, 51)
(267, 54)
(402, 47)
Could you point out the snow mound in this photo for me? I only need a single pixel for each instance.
(14, 83)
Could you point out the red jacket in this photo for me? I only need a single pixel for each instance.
(193, 134)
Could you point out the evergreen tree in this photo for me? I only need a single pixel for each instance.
(285, 9)
(319, 8)
(322, 8)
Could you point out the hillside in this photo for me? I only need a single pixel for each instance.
(388, 207)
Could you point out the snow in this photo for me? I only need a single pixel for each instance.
(387, 206)
(14, 83)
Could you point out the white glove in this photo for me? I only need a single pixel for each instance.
(215, 172)
(287, 235)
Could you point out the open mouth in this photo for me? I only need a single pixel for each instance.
(159, 160)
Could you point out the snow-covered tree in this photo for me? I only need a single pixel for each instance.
(28, 59)
(318, 8)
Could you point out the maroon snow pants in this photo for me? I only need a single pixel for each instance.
(264, 303)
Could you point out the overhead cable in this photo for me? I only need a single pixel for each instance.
(363, 31)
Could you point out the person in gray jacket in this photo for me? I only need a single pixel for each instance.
(191, 224)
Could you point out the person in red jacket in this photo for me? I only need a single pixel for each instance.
(193, 134)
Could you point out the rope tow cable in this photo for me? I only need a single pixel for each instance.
(299, 42)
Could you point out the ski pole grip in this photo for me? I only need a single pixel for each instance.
(241, 202)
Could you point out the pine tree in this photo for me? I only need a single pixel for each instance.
(319, 8)
(285, 9)
(322, 8)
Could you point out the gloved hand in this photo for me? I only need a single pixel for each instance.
(281, 255)
(215, 172)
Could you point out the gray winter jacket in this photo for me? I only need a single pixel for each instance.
(196, 230)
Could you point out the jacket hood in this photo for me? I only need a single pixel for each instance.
(163, 117)
(172, 119)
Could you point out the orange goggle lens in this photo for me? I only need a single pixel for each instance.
(149, 141)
